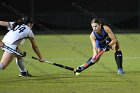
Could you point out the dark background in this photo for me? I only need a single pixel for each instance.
(61, 15)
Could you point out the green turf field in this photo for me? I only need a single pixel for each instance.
(74, 50)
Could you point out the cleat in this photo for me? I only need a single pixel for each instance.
(120, 71)
(77, 71)
(25, 74)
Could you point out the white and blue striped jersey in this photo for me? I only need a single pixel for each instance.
(18, 34)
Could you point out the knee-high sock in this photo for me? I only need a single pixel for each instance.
(20, 65)
(119, 58)
(86, 65)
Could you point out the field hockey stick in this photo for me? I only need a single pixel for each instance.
(55, 64)
(98, 55)
(14, 51)
(90, 62)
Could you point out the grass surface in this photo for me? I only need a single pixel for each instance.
(74, 50)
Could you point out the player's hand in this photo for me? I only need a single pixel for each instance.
(108, 40)
(107, 48)
(95, 59)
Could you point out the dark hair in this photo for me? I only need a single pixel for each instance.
(23, 20)
(27, 20)
(96, 20)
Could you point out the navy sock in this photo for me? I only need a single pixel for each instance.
(86, 65)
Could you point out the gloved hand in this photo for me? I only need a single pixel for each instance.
(108, 40)
(107, 47)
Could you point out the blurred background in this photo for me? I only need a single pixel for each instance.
(61, 17)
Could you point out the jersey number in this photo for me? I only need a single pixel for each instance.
(21, 29)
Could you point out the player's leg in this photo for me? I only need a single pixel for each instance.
(6, 60)
(118, 57)
(7, 56)
(21, 66)
(86, 65)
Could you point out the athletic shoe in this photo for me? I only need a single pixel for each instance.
(77, 71)
(120, 71)
(25, 74)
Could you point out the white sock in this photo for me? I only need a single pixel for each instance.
(20, 65)
(1, 66)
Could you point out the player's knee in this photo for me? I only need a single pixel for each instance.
(2, 66)
(116, 47)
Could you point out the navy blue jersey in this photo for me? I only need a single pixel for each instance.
(101, 38)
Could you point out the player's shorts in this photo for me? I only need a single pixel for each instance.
(14, 47)
(101, 44)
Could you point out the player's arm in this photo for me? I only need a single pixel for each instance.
(111, 35)
(36, 49)
(93, 41)
(4, 23)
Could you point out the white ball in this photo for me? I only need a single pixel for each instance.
(77, 73)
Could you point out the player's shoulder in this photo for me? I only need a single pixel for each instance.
(10, 25)
(107, 29)
(92, 35)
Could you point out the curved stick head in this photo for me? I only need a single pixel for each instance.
(23, 54)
